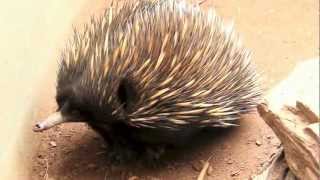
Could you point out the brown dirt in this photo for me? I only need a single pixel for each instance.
(280, 33)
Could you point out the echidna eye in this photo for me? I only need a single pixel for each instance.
(60, 101)
(122, 94)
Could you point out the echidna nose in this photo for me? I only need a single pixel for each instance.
(51, 121)
(38, 127)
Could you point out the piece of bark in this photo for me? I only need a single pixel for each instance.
(297, 128)
(279, 168)
(276, 169)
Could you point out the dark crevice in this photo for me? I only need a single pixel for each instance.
(123, 94)
(127, 95)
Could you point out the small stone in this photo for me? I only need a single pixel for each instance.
(53, 144)
(258, 143)
(133, 178)
(197, 166)
(235, 173)
(269, 137)
(210, 170)
(229, 161)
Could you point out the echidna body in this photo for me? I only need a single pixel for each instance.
(155, 71)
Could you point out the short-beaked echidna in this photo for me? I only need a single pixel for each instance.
(154, 71)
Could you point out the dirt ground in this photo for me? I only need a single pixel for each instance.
(279, 32)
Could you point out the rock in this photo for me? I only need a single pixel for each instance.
(258, 143)
(210, 170)
(235, 173)
(53, 144)
(197, 166)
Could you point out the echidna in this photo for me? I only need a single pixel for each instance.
(154, 72)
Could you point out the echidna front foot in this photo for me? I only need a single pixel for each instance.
(120, 154)
(123, 151)
(155, 153)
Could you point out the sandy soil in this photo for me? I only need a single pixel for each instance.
(280, 33)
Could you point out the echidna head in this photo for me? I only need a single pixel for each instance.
(79, 99)
(71, 108)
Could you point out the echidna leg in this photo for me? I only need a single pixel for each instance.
(154, 153)
(120, 148)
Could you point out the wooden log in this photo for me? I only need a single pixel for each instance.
(298, 130)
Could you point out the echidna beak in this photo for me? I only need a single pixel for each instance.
(51, 121)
